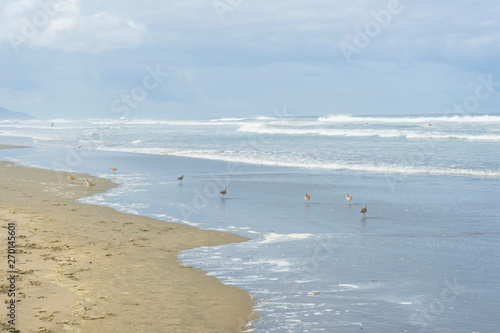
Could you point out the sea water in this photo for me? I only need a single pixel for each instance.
(425, 258)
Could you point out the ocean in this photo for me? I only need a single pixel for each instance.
(424, 258)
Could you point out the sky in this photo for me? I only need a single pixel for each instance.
(231, 58)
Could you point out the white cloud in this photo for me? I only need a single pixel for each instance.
(64, 25)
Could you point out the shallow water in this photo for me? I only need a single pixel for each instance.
(424, 259)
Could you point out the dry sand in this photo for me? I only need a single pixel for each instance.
(85, 268)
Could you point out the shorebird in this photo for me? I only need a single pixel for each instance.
(114, 170)
(363, 211)
(181, 178)
(348, 198)
(89, 183)
(70, 178)
(223, 193)
(306, 197)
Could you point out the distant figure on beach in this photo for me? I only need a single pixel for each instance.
(223, 193)
(427, 125)
(52, 125)
(181, 178)
(114, 170)
(307, 197)
(363, 211)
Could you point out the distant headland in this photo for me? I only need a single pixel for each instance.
(8, 114)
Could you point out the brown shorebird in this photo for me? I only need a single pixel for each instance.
(223, 193)
(307, 197)
(70, 178)
(89, 183)
(181, 178)
(363, 211)
(348, 198)
(114, 170)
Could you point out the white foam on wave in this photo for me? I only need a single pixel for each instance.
(159, 216)
(241, 157)
(228, 119)
(410, 119)
(367, 167)
(263, 128)
(265, 118)
(168, 218)
(274, 237)
(154, 122)
(349, 286)
(177, 220)
(278, 265)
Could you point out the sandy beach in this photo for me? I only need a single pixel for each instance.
(85, 268)
(11, 146)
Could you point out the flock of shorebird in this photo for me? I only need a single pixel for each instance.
(363, 210)
(87, 182)
(307, 197)
(223, 193)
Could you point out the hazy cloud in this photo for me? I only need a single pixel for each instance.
(64, 25)
(261, 55)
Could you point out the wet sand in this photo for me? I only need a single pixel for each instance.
(85, 268)
(11, 146)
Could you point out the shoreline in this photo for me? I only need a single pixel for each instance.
(90, 268)
(12, 146)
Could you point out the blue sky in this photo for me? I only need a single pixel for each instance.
(205, 58)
